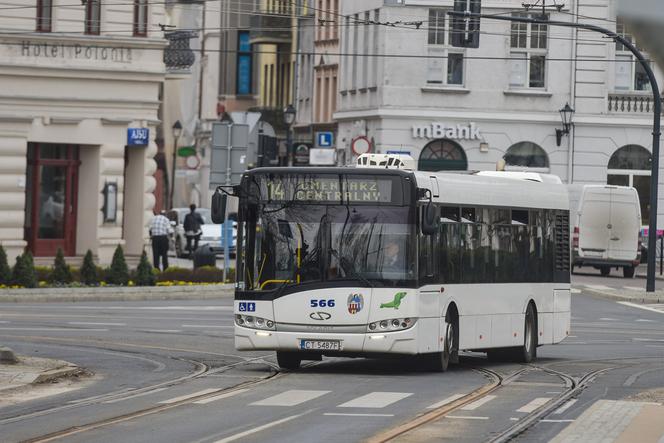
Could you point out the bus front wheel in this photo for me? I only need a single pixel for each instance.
(441, 360)
(288, 360)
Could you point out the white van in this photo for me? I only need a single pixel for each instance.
(607, 229)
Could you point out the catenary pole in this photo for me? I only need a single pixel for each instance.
(657, 110)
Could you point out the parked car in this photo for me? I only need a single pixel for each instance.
(211, 233)
(607, 229)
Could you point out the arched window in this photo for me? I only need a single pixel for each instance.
(442, 155)
(630, 166)
(526, 155)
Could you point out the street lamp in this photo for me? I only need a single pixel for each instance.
(177, 132)
(566, 116)
(289, 119)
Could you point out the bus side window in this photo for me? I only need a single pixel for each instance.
(449, 245)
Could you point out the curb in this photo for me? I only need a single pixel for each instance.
(194, 292)
(614, 297)
(58, 373)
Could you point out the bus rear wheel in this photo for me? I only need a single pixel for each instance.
(288, 360)
(528, 352)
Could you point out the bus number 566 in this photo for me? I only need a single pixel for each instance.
(322, 303)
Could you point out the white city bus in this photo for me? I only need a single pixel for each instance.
(482, 263)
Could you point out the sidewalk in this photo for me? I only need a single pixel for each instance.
(133, 293)
(629, 295)
(31, 371)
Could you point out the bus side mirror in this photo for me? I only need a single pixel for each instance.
(429, 225)
(218, 210)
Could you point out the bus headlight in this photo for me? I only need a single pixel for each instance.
(394, 324)
(249, 321)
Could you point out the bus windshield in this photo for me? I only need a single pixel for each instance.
(306, 243)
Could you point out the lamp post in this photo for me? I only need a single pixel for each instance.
(177, 132)
(289, 119)
(566, 116)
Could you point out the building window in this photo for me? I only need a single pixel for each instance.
(140, 18)
(630, 75)
(528, 42)
(445, 64)
(442, 155)
(244, 64)
(631, 166)
(92, 17)
(44, 15)
(526, 155)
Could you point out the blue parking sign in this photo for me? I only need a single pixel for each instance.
(324, 139)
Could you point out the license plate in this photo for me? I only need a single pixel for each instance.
(320, 345)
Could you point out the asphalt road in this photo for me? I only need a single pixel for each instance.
(163, 372)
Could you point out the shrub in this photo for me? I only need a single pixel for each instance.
(89, 274)
(5, 270)
(118, 273)
(61, 273)
(24, 271)
(144, 274)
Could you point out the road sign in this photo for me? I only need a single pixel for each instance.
(360, 145)
(322, 156)
(229, 153)
(138, 136)
(324, 139)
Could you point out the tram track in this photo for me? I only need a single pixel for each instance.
(201, 370)
(574, 385)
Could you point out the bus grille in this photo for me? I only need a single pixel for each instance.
(562, 242)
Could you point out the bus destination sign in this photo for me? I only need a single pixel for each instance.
(327, 189)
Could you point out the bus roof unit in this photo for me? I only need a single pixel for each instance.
(387, 161)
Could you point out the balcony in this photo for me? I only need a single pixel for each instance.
(630, 103)
(273, 29)
(178, 56)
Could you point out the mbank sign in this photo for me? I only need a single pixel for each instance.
(444, 130)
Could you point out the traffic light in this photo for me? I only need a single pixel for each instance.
(466, 30)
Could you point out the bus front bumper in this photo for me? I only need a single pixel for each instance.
(397, 342)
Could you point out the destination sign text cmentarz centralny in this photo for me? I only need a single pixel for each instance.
(364, 190)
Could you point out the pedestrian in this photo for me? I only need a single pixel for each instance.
(192, 228)
(160, 228)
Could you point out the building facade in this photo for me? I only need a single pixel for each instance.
(78, 118)
(456, 108)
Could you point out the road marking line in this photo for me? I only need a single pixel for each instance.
(565, 407)
(259, 429)
(476, 404)
(644, 320)
(162, 331)
(3, 322)
(466, 417)
(648, 340)
(635, 305)
(608, 319)
(188, 396)
(448, 400)
(376, 400)
(56, 329)
(514, 419)
(548, 420)
(600, 287)
(87, 323)
(117, 400)
(219, 397)
(358, 415)
(290, 398)
(534, 404)
(207, 326)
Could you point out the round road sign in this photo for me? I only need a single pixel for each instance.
(360, 145)
(193, 162)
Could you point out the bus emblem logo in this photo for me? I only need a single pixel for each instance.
(355, 303)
